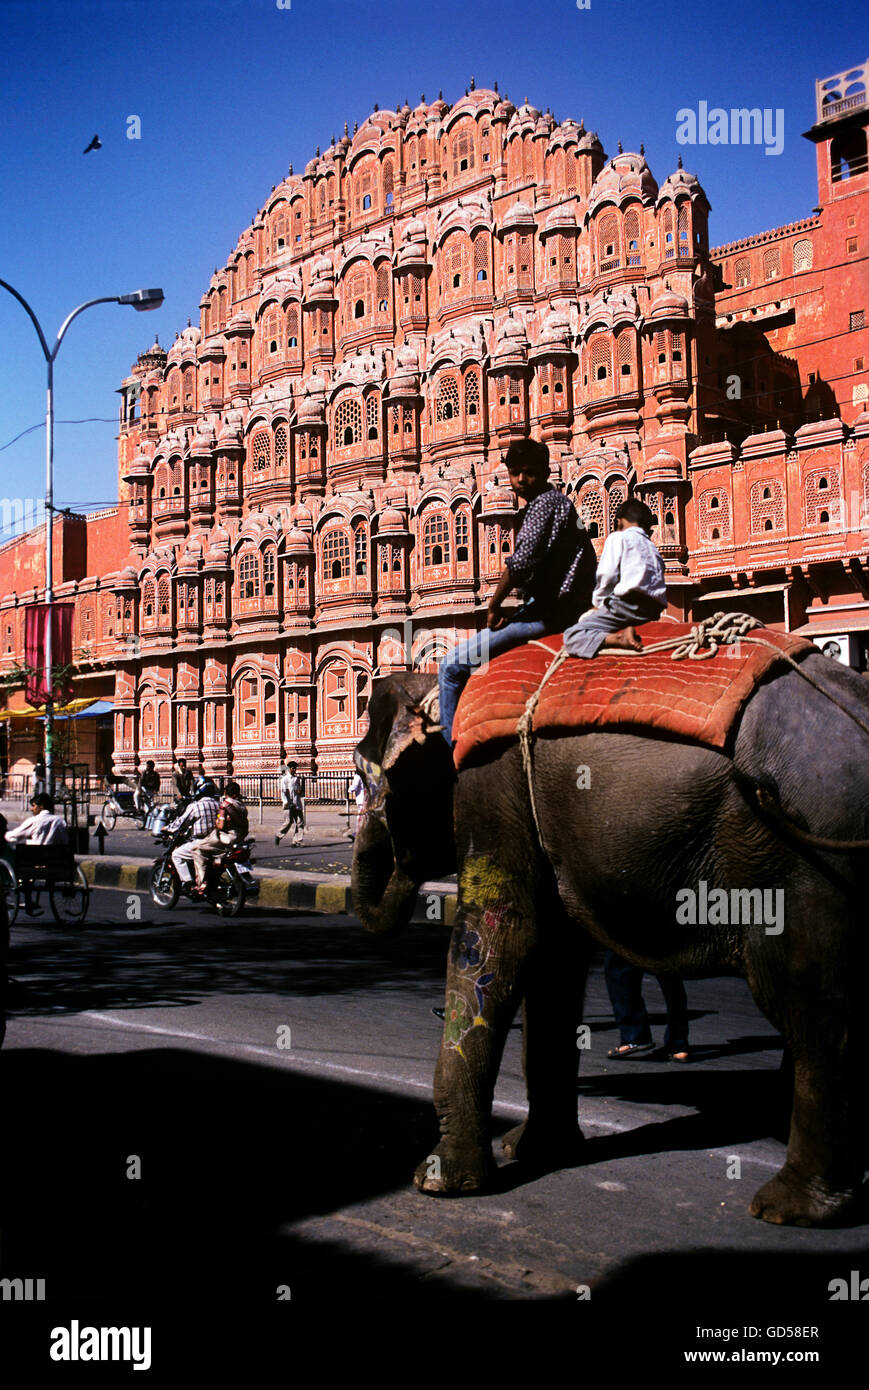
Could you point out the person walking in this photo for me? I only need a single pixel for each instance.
(293, 801)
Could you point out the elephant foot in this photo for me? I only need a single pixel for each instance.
(544, 1150)
(444, 1173)
(789, 1200)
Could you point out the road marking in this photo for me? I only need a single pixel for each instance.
(500, 1108)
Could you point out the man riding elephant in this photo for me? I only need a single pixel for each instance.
(550, 863)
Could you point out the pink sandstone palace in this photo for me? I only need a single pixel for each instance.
(312, 491)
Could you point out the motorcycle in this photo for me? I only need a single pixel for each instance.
(229, 882)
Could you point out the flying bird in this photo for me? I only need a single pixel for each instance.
(95, 144)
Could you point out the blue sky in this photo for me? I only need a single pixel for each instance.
(229, 92)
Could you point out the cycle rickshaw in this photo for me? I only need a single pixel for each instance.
(45, 868)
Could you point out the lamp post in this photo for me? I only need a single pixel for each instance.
(140, 300)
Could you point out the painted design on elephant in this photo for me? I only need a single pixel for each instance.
(472, 953)
(483, 884)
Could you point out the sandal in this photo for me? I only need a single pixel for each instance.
(683, 1055)
(620, 1054)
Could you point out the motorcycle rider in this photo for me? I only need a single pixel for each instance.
(230, 828)
(201, 818)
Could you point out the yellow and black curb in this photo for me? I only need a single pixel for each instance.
(287, 890)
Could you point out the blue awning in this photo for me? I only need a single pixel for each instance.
(99, 707)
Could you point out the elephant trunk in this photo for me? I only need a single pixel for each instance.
(383, 894)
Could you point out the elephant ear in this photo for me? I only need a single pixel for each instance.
(414, 721)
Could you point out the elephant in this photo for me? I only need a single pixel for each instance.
(614, 857)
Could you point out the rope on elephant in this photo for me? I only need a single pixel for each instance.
(705, 639)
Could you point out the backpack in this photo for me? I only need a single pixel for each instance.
(231, 815)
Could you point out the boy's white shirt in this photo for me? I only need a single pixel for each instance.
(630, 563)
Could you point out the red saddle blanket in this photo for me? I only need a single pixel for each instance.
(690, 699)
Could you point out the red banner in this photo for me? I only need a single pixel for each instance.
(36, 690)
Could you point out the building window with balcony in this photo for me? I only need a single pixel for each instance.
(436, 542)
(348, 424)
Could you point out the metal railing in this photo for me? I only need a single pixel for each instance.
(324, 788)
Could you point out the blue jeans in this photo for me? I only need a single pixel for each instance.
(624, 984)
(457, 667)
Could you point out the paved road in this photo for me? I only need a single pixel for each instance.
(264, 1167)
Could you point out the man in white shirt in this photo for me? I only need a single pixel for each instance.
(629, 590)
(42, 826)
(293, 802)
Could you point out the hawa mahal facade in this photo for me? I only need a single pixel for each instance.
(311, 483)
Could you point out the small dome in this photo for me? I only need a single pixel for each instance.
(218, 547)
(627, 175)
(680, 181)
(669, 305)
(297, 542)
(391, 520)
(519, 215)
(560, 219)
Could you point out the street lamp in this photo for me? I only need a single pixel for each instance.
(141, 300)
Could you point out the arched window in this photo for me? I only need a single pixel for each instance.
(436, 541)
(372, 416)
(803, 255)
(336, 554)
(669, 244)
(625, 354)
(481, 260)
(382, 290)
(455, 262)
(684, 230)
(348, 424)
(742, 272)
(148, 600)
(164, 599)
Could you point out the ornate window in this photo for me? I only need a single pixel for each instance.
(360, 549)
(455, 261)
(463, 533)
(669, 243)
(463, 153)
(348, 424)
(336, 554)
(448, 400)
(590, 505)
(372, 416)
(608, 242)
(714, 515)
(164, 602)
(260, 452)
(767, 506)
(269, 570)
(601, 363)
(472, 396)
(684, 231)
(771, 263)
(624, 344)
(436, 541)
(632, 238)
(822, 492)
(742, 272)
(292, 325)
(148, 602)
(481, 262)
(249, 575)
(281, 447)
(616, 493)
(803, 255)
(382, 291)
